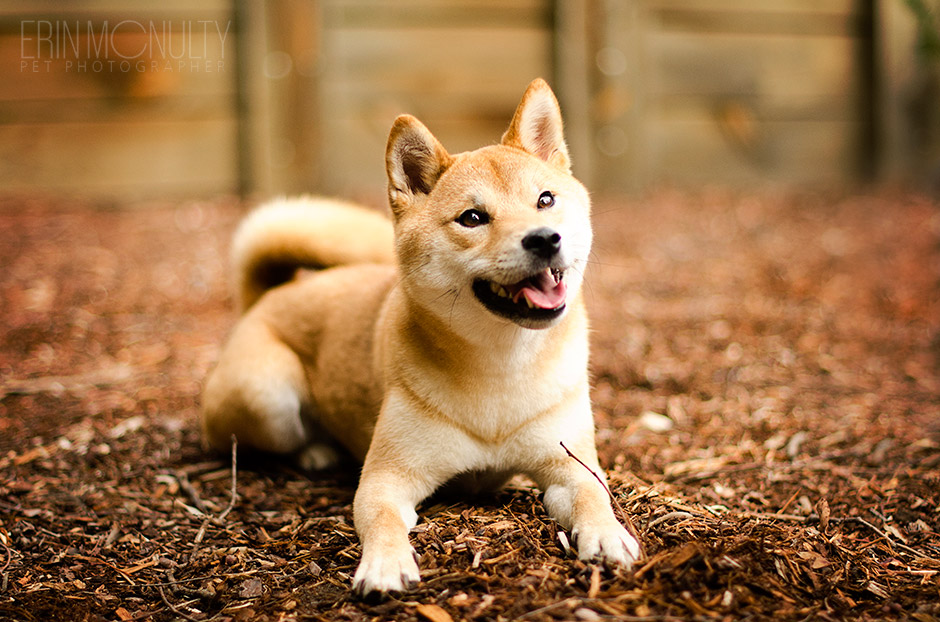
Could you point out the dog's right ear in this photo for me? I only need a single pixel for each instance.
(536, 126)
(414, 161)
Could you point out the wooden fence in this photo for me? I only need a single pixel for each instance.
(285, 96)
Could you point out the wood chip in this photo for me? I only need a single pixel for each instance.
(433, 613)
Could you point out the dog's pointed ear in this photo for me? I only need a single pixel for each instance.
(414, 161)
(537, 126)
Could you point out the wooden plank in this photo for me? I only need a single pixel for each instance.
(38, 9)
(361, 169)
(728, 91)
(118, 99)
(169, 109)
(124, 160)
(843, 7)
(208, 72)
(466, 61)
(497, 103)
(897, 71)
(404, 14)
(473, 55)
(574, 57)
(758, 22)
(621, 103)
(418, 6)
(695, 151)
(372, 74)
(295, 94)
(254, 100)
(791, 73)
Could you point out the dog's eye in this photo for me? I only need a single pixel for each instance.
(546, 199)
(473, 218)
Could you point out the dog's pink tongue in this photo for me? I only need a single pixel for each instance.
(542, 291)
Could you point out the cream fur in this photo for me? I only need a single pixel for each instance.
(406, 364)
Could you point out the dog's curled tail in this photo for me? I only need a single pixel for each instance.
(279, 237)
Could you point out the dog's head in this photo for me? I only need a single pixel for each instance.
(504, 230)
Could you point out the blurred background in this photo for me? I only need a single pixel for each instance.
(131, 100)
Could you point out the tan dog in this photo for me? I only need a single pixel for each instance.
(466, 361)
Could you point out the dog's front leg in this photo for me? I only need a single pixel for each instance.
(400, 470)
(578, 501)
(384, 512)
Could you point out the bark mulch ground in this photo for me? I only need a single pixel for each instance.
(766, 391)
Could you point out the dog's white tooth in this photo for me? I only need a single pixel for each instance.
(494, 287)
(529, 303)
(503, 292)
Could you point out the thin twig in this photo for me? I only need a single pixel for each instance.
(886, 536)
(669, 516)
(835, 520)
(624, 517)
(585, 602)
(786, 505)
(187, 487)
(96, 560)
(199, 536)
(781, 517)
(173, 608)
(191, 579)
(9, 551)
(231, 503)
(143, 615)
(549, 607)
(4, 577)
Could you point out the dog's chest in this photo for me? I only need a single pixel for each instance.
(491, 409)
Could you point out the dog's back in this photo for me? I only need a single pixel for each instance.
(262, 389)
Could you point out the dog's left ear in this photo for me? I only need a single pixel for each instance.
(537, 126)
(414, 161)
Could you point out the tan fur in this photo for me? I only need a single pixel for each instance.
(408, 365)
(279, 237)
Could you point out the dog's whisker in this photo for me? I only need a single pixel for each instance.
(453, 305)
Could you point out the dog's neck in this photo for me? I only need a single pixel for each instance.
(490, 344)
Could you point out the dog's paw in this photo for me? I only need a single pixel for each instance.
(317, 457)
(386, 573)
(609, 542)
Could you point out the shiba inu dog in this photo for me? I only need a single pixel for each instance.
(449, 345)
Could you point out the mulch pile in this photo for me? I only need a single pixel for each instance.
(767, 397)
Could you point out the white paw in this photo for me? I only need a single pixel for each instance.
(610, 542)
(317, 457)
(386, 573)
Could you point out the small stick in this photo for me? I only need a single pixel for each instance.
(181, 614)
(884, 535)
(231, 503)
(4, 577)
(187, 487)
(9, 551)
(190, 580)
(96, 560)
(624, 517)
(789, 501)
(665, 517)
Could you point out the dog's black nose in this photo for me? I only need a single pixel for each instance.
(544, 242)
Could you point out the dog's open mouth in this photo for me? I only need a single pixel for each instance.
(541, 296)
